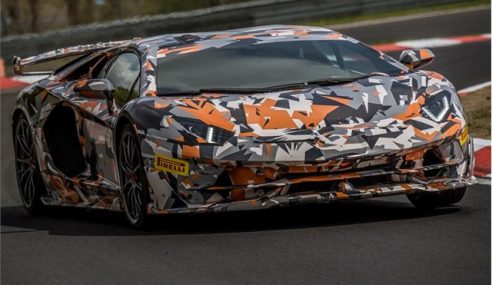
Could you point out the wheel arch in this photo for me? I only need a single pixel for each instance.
(123, 120)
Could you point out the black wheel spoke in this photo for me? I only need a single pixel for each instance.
(26, 185)
(127, 162)
(30, 188)
(127, 151)
(126, 167)
(135, 168)
(136, 201)
(23, 145)
(132, 152)
(24, 174)
(137, 196)
(24, 161)
(131, 202)
(27, 139)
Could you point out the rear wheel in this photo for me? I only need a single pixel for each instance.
(437, 199)
(134, 193)
(29, 179)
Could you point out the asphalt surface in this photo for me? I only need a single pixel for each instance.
(383, 241)
(447, 25)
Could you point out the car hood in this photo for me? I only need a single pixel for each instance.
(374, 114)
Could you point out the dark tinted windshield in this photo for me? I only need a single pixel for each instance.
(264, 65)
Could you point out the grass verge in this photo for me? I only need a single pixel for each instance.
(393, 13)
(477, 109)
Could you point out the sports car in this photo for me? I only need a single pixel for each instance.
(242, 119)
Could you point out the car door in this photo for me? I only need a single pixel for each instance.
(123, 72)
(90, 164)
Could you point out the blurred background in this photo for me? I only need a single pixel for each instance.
(36, 16)
(33, 16)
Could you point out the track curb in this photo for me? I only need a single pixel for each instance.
(432, 42)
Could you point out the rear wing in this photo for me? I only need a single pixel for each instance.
(20, 63)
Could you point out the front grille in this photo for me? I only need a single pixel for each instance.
(327, 186)
(312, 187)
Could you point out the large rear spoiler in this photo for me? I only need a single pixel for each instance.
(19, 63)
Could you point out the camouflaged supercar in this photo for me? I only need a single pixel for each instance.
(237, 120)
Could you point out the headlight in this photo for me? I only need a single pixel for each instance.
(211, 135)
(437, 107)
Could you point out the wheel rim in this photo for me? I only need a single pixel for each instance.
(25, 162)
(131, 178)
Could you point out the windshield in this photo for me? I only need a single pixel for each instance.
(264, 65)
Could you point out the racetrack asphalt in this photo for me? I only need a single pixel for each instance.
(381, 241)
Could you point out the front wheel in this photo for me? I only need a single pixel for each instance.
(437, 199)
(134, 193)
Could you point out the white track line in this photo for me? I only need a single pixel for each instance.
(475, 87)
(428, 43)
(479, 143)
(408, 17)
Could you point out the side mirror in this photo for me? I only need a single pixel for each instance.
(100, 89)
(415, 58)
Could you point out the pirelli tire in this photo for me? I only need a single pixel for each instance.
(134, 187)
(430, 200)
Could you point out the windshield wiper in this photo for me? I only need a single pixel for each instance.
(236, 90)
(259, 89)
(324, 82)
(217, 90)
(179, 93)
(334, 81)
(289, 86)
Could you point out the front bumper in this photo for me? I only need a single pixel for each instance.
(410, 171)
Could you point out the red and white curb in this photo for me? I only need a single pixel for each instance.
(7, 83)
(432, 43)
(481, 147)
(482, 158)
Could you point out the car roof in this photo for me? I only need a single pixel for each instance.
(264, 32)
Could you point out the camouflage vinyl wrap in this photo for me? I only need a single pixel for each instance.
(317, 144)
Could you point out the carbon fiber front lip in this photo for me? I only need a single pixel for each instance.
(337, 177)
(278, 200)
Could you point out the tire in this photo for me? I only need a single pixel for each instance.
(29, 180)
(133, 181)
(429, 200)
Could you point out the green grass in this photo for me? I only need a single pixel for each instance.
(477, 109)
(393, 13)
